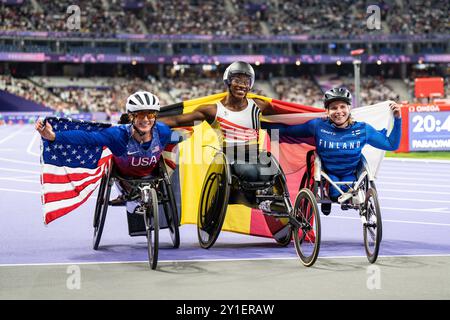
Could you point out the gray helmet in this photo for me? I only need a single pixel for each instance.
(337, 94)
(239, 67)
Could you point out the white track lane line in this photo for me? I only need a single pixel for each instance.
(20, 191)
(428, 210)
(30, 146)
(377, 182)
(413, 199)
(412, 191)
(21, 180)
(212, 260)
(12, 135)
(417, 160)
(17, 170)
(395, 221)
(36, 163)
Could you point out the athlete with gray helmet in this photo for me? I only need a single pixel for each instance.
(339, 139)
(236, 119)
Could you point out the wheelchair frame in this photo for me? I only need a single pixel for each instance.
(212, 212)
(361, 196)
(150, 193)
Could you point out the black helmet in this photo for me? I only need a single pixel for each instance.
(337, 94)
(239, 67)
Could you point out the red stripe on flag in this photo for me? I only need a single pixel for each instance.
(57, 196)
(66, 178)
(170, 147)
(170, 163)
(290, 107)
(50, 216)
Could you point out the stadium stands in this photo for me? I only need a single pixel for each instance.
(329, 18)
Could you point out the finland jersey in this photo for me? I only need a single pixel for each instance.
(340, 148)
(238, 127)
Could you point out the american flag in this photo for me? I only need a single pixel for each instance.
(70, 172)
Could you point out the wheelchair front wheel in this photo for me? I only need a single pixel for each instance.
(372, 226)
(213, 201)
(152, 228)
(307, 237)
(101, 208)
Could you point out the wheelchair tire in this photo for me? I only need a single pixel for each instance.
(213, 201)
(101, 208)
(152, 228)
(307, 238)
(171, 213)
(373, 228)
(281, 183)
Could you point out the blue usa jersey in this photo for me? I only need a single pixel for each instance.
(131, 158)
(340, 149)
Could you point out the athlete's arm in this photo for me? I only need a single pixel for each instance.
(202, 113)
(265, 107)
(166, 135)
(304, 130)
(115, 138)
(379, 140)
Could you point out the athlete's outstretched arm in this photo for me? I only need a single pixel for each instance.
(202, 113)
(112, 137)
(379, 140)
(304, 130)
(265, 107)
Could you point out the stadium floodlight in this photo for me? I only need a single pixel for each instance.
(357, 68)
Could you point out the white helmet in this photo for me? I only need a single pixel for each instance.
(142, 101)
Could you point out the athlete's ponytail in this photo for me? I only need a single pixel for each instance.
(125, 118)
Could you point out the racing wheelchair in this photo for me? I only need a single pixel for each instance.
(361, 196)
(222, 187)
(146, 220)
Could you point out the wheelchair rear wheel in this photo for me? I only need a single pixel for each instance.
(307, 237)
(213, 201)
(152, 228)
(372, 227)
(101, 208)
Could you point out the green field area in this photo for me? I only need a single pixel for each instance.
(438, 155)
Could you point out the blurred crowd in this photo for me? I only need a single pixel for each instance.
(420, 17)
(336, 18)
(78, 97)
(373, 90)
(299, 90)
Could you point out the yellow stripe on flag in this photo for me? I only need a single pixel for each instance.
(194, 162)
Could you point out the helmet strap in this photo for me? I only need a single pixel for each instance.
(140, 133)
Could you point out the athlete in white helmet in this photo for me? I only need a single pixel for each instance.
(136, 146)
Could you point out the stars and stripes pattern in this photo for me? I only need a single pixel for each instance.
(70, 173)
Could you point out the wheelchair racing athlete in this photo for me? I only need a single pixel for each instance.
(136, 147)
(236, 120)
(339, 139)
